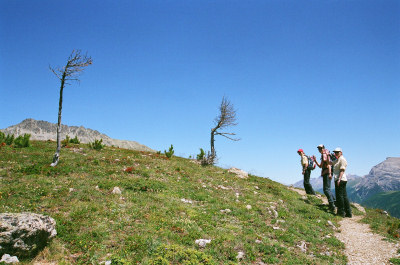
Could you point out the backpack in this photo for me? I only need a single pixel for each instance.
(311, 163)
(332, 157)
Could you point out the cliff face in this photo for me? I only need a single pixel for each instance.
(383, 177)
(43, 130)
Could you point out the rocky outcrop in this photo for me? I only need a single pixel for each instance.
(24, 234)
(382, 178)
(239, 173)
(43, 130)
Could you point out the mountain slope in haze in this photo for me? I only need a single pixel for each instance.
(43, 130)
(383, 177)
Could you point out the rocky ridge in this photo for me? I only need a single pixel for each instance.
(43, 130)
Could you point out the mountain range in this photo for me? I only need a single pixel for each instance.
(379, 189)
(43, 130)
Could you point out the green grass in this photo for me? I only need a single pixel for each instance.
(149, 223)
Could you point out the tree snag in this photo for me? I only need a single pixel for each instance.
(70, 72)
(226, 118)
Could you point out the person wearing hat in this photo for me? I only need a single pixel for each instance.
(306, 172)
(339, 169)
(326, 174)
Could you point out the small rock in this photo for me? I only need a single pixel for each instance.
(240, 255)
(237, 195)
(222, 187)
(276, 227)
(256, 187)
(97, 187)
(258, 241)
(331, 224)
(108, 262)
(239, 173)
(225, 211)
(303, 246)
(186, 201)
(116, 190)
(71, 189)
(202, 242)
(248, 207)
(9, 259)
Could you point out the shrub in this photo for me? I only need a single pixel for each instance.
(22, 141)
(208, 159)
(9, 139)
(97, 144)
(75, 140)
(65, 141)
(2, 137)
(201, 155)
(170, 152)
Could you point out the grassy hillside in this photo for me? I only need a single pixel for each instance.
(165, 206)
(389, 201)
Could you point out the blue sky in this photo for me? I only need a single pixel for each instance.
(299, 73)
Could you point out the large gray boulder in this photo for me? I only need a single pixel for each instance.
(25, 234)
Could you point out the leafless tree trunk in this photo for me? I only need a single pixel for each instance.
(226, 118)
(70, 72)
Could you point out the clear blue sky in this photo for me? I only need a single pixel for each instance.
(299, 73)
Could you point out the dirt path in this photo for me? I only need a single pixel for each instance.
(361, 245)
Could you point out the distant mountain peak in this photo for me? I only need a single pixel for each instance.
(44, 130)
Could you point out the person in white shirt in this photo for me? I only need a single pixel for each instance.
(339, 168)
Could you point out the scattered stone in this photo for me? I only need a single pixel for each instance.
(255, 192)
(186, 201)
(97, 187)
(116, 190)
(248, 207)
(202, 242)
(303, 246)
(9, 259)
(276, 227)
(108, 262)
(240, 255)
(24, 234)
(258, 241)
(331, 224)
(239, 173)
(256, 187)
(71, 189)
(225, 211)
(222, 187)
(280, 221)
(237, 195)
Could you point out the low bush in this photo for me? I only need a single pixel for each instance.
(170, 152)
(75, 140)
(201, 155)
(97, 144)
(22, 141)
(9, 139)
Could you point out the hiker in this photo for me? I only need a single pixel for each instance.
(339, 168)
(326, 174)
(307, 167)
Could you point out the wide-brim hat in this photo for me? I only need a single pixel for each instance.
(338, 149)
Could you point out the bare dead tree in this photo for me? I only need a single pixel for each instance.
(70, 72)
(225, 119)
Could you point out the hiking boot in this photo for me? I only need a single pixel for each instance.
(348, 215)
(332, 208)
